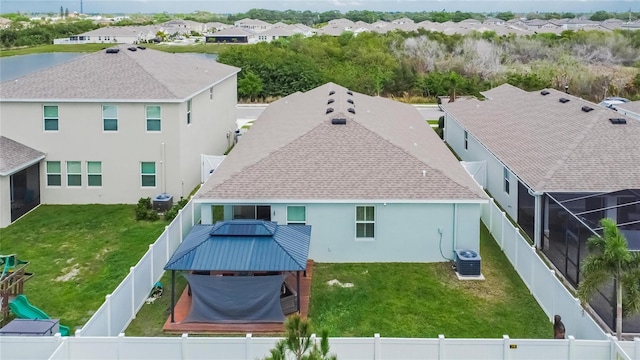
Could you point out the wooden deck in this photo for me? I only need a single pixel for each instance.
(183, 306)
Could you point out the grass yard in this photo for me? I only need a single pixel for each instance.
(404, 300)
(78, 253)
(425, 300)
(54, 48)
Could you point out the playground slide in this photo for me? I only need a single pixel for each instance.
(23, 309)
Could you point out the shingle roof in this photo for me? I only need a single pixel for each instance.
(15, 156)
(125, 76)
(554, 146)
(384, 151)
(235, 245)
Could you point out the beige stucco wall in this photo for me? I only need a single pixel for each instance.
(81, 138)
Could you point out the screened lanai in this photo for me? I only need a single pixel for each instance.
(236, 270)
(571, 218)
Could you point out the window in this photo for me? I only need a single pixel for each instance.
(211, 93)
(466, 140)
(74, 173)
(148, 170)
(252, 212)
(296, 215)
(365, 222)
(51, 118)
(188, 112)
(54, 173)
(153, 118)
(506, 180)
(110, 117)
(94, 173)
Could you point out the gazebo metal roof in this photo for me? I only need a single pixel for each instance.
(243, 245)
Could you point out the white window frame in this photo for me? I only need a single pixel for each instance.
(59, 173)
(304, 222)
(147, 118)
(507, 183)
(45, 118)
(78, 174)
(104, 118)
(365, 222)
(90, 174)
(143, 174)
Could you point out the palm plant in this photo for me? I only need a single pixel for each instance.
(610, 259)
(298, 343)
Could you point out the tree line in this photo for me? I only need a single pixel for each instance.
(428, 64)
(18, 34)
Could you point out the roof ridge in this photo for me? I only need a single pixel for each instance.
(137, 62)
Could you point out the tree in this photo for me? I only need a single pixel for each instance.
(298, 344)
(66, 12)
(610, 259)
(61, 12)
(250, 86)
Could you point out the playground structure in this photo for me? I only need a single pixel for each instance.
(12, 280)
(23, 309)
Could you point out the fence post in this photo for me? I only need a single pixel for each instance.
(151, 255)
(247, 347)
(505, 347)
(376, 346)
(132, 271)
(107, 299)
(121, 353)
(572, 344)
(636, 347)
(612, 346)
(502, 220)
(515, 246)
(185, 346)
(441, 355)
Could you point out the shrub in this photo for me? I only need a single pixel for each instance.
(144, 210)
(173, 212)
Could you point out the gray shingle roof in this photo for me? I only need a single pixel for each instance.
(125, 76)
(293, 152)
(554, 146)
(15, 156)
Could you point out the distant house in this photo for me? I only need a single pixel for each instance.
(256, 26)
(274, 34)
(113, 35)
(186, 26)
(371, 177)
(235, 35)
(112, 127)
(216, 26)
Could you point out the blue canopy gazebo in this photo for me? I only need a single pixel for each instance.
(244, 248)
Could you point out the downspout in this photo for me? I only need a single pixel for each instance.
(537, 218)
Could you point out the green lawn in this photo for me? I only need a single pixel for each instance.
(54, 48)
(78, 253)
(405, 300)
(425, 300)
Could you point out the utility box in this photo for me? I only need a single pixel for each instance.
(28, 327)
(162, 203)
(468, 262)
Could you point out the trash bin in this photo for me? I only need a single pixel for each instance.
(162, 202)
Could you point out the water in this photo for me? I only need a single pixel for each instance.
(12, 67)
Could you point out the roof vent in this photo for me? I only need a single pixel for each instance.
(329, 110)
(331, 92)
(339, 121)
(113, 51)
(544, 93)
(618, 121)
(349, 92)
(564, 100)
(331, 101)
(350, 101)
(351, 110)
(142, 47)
(133, 48)
(586, 108)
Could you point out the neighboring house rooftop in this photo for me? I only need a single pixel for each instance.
(234, 31)
(15, 156)
(554, 146)
(140, 75)
(384, 151)
(122, 30)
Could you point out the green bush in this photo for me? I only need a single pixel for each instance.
(173, 212)
(144, 210)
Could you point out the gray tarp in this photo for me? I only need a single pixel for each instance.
(235, 299)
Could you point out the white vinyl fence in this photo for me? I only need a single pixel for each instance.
(121, 306)
(371, 348)
(545, 287)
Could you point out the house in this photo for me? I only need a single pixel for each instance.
(274, 34)
(113, 34)
(185, 26)
(216, 26)
(232, 35)
(368, 174)
(114, 126)
(557, 164)
(253, 25)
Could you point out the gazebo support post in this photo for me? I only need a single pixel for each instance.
(173, 290)
(298, 289)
